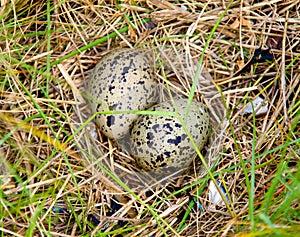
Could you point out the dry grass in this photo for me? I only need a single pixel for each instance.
(51, 187)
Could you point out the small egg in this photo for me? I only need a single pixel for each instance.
(121, 81)
(159, 141)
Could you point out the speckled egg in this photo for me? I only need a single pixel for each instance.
(161, 141)
(121, 81)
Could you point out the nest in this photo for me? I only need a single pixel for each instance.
(49, 183)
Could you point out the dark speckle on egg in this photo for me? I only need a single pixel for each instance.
(175, 141)
(110, 120)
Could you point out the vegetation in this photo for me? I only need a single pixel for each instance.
(56, 179)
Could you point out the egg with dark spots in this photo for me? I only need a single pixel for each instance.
(121, 82)
(159, 141)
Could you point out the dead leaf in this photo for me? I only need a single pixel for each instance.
(240, 64)
(242, 21)
(131, 32)
(246, 22)
(235, 24)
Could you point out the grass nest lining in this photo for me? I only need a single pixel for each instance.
(47, 50)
